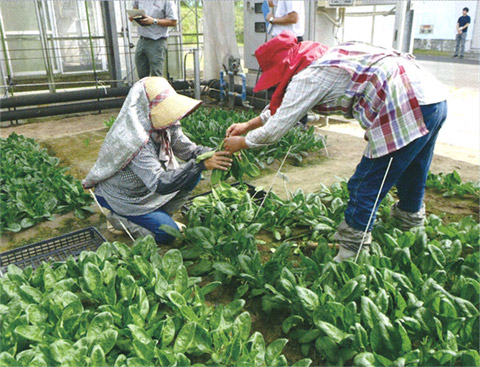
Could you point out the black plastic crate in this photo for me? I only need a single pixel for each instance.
(257, 196)
(55, 249)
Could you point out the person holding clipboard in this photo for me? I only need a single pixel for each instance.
(151, 47)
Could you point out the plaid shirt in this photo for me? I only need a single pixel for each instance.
(380, 88)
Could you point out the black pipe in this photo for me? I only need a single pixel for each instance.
(61, 110)
(47, 98)
(80, 95)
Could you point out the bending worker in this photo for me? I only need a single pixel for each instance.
(400, 106)
(136, 175)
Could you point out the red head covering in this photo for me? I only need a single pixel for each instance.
(280, 59)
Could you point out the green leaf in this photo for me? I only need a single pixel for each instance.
(306, 362)
(61, 350)
(274, 350)
(184, 338)
(331, 331)
(30, 332)
(98, 356)
(209, 288)
(225, 268)
(308, 299)
(242, 325)
(257, 348)
(168, 332)
(36, 314)
(172, 260)
(102, 321)
(93, 277)
(107, 340)
(365, 359)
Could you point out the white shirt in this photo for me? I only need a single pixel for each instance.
(284, 7)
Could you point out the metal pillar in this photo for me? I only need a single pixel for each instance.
(196, 73)
(402, 33)
(41, 16)
(111, 42)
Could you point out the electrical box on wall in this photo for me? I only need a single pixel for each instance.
(255, 31)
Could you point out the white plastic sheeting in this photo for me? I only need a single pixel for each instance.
(218, 35)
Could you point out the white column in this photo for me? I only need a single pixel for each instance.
(475, 45)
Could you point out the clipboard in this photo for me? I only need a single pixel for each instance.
(136, 13)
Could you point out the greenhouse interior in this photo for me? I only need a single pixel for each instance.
(239, 183)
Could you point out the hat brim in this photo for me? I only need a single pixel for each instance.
(267, 80)
(173, 108)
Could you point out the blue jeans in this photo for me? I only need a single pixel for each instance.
(153, 220)
(408, 172)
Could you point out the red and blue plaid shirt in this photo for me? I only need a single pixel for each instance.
(380, 88)
(379, 96)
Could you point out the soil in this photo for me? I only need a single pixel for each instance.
(77, 139)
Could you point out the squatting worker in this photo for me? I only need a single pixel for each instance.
(400, 105)
(136, 175)
(151, 47)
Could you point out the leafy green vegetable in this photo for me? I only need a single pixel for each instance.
(33, 187)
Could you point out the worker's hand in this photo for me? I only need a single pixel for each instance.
(237, 129)
(220, 160)
(146, 20)
(234, 144)
(130, 19)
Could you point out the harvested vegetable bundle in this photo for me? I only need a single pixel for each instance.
(240, 165)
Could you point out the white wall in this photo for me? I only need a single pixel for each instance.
(360, 28)
(443, 15)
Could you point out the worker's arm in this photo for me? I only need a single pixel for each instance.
(310, 87)
(147, 20)
(290, 18)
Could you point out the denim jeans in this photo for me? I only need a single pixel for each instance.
(408, 171)
(460, 43)
(153, 220)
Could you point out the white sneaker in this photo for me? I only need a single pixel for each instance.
(180, 226)
(344, 254)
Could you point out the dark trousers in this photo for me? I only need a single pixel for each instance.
(408, 172)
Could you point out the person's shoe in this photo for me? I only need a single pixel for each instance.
(461, 57)
(344, 254)
(454, 56)
(181, 226)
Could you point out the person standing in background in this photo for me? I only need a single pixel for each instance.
(152, 45)
(462, 26)
(287, 16)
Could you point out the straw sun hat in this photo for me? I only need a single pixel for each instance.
(165, 105)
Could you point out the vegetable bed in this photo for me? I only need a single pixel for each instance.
(208, 127)
(33, 187)
(414, 301)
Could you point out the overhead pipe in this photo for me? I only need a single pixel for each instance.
(101, 99)
(61, 110)
(47, 98)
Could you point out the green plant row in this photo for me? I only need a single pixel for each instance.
(208, 127)
(414, 301)
(33, 186)
(124, 306)
(451, 184)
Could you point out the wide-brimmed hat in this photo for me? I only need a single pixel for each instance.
(166, 106)
(273, 58)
